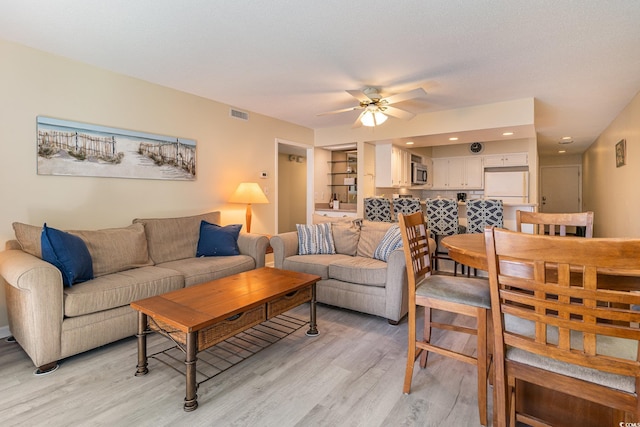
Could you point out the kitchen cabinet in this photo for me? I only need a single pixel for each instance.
(393, 166)
(457, 173)
(506, 160)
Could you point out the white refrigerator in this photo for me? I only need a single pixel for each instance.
(510, 187)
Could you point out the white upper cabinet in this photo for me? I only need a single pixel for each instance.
(393, 166)
(457, 173)
(506, 160)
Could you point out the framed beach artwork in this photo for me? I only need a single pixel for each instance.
(621, 153)
(80, 149)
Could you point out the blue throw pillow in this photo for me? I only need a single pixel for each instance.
(391, 241)
(68, 253)
(218, 241)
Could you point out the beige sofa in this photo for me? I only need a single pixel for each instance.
(352, 278)
(152, 256)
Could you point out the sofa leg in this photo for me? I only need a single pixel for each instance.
(10, 338)
(46, 369)
(393, 322)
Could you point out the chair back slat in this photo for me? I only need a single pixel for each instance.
(562, 291)
(555, 223)
(415, 238)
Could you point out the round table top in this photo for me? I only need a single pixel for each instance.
(467, 249)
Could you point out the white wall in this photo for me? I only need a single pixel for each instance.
(612, 193)
(229, 150)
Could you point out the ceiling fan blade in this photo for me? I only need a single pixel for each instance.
(397, 113)
(358, 122)
(344, 110)
(415, 93)
(359, 95)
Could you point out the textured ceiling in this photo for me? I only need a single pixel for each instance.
(293, 59)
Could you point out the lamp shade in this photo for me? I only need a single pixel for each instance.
(248, 192)
(373, 117)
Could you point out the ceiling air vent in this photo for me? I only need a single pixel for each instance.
(242, 115)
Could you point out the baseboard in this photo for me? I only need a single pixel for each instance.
(4, 332)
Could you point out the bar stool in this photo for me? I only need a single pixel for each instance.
(405, 206)
(442, 221)
(377, 209)
(483, 212)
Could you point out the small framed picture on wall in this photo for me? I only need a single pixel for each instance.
(621, 153)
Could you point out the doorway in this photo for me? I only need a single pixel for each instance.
(561, 189)
(293, 167)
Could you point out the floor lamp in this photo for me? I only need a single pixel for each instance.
(248, 192)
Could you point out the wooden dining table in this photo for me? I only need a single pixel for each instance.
(556, 408)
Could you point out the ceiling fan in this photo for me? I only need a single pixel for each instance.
(376, 108)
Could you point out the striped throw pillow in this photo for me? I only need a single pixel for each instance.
(315, 239)
(391, 241)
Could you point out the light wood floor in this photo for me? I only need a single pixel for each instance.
(350, 375)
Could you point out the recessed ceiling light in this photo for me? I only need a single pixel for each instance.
(565, 141)
(562, 151)
(409, 142)
(453, 138)
(507, 133)
(566, 138)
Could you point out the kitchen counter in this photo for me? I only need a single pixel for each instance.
(346, 209)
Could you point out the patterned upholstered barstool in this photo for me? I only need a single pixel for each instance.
(483, 212)
(377, 209)
(405, 206)
(442, 221)
(480, 213)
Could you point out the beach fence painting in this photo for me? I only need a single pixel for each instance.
(81, 149)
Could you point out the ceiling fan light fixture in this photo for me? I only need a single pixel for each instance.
(373, 117)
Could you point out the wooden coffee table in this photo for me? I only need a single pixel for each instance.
(201, 316)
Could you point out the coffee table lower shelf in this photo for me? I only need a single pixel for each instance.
(227, 353)
(264, 300)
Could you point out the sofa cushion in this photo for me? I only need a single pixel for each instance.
(345, 237)
(116, 249)
(315, 239)
(391, 241)
(312, 264)
(29, 238)
(204, 269)
(170, 239)
(68, 253)
(215, 240)
(119, 289)
(111, 249)
(359, 270)
(371, 234)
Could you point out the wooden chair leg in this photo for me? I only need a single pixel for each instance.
(512, 401)
(411, 349)
(482, 364)
(426, 336)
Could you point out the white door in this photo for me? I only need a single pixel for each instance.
(560, 189)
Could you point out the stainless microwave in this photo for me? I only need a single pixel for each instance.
(419, 174)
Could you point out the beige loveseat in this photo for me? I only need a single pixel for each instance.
(351, 278)
(150, 257)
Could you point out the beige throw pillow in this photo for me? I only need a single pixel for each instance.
(171, 239)
(371, 234)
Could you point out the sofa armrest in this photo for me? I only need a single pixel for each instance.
(34, 295)
(254, 245)
(396, 287)
(284, 245)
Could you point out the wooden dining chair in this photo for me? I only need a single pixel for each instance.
(553, 321)
(461, 295)
(542, 220)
